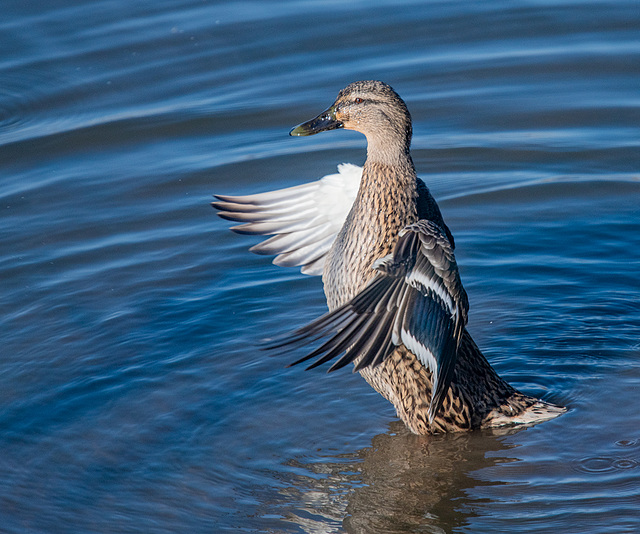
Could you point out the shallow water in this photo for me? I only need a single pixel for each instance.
(132, 398)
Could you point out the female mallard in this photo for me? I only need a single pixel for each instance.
(398, 310)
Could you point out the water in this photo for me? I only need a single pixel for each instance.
(132, 398)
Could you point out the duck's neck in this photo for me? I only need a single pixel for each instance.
(389, 147)
(386, 203)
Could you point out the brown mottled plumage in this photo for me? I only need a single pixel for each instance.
(390, 200)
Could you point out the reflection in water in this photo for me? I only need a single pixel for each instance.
(402, 483)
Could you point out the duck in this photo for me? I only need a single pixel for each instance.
(397, 308)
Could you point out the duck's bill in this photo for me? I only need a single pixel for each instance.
(323, 122)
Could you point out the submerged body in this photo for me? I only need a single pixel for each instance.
(397, 308)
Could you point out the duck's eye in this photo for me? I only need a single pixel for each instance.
(358, 100)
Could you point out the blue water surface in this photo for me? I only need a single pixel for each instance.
(132, 395)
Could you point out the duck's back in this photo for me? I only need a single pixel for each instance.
(428, 209)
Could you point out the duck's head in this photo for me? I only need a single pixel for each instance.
(370, 107)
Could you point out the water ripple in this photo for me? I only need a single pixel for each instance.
(18, 96)
(627, 443)
(604, 464)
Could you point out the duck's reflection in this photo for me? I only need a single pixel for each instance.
(402, 483)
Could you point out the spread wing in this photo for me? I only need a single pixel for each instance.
(416, 300)
(303, 220)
